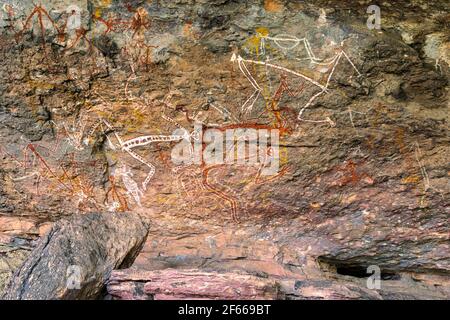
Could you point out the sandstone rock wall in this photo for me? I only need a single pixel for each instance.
(364, 175)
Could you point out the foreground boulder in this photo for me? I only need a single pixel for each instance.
(74, 260)
(169, 284)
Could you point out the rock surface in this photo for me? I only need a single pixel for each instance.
(364, 174)
(190, 284)
(180, 284)
(76, 257)
(11, 258)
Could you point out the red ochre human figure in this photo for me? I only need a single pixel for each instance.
(352, 174)
(40, 12)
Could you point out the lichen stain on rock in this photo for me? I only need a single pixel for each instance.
(273, 6)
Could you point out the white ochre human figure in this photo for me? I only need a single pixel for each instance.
(131, 186)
